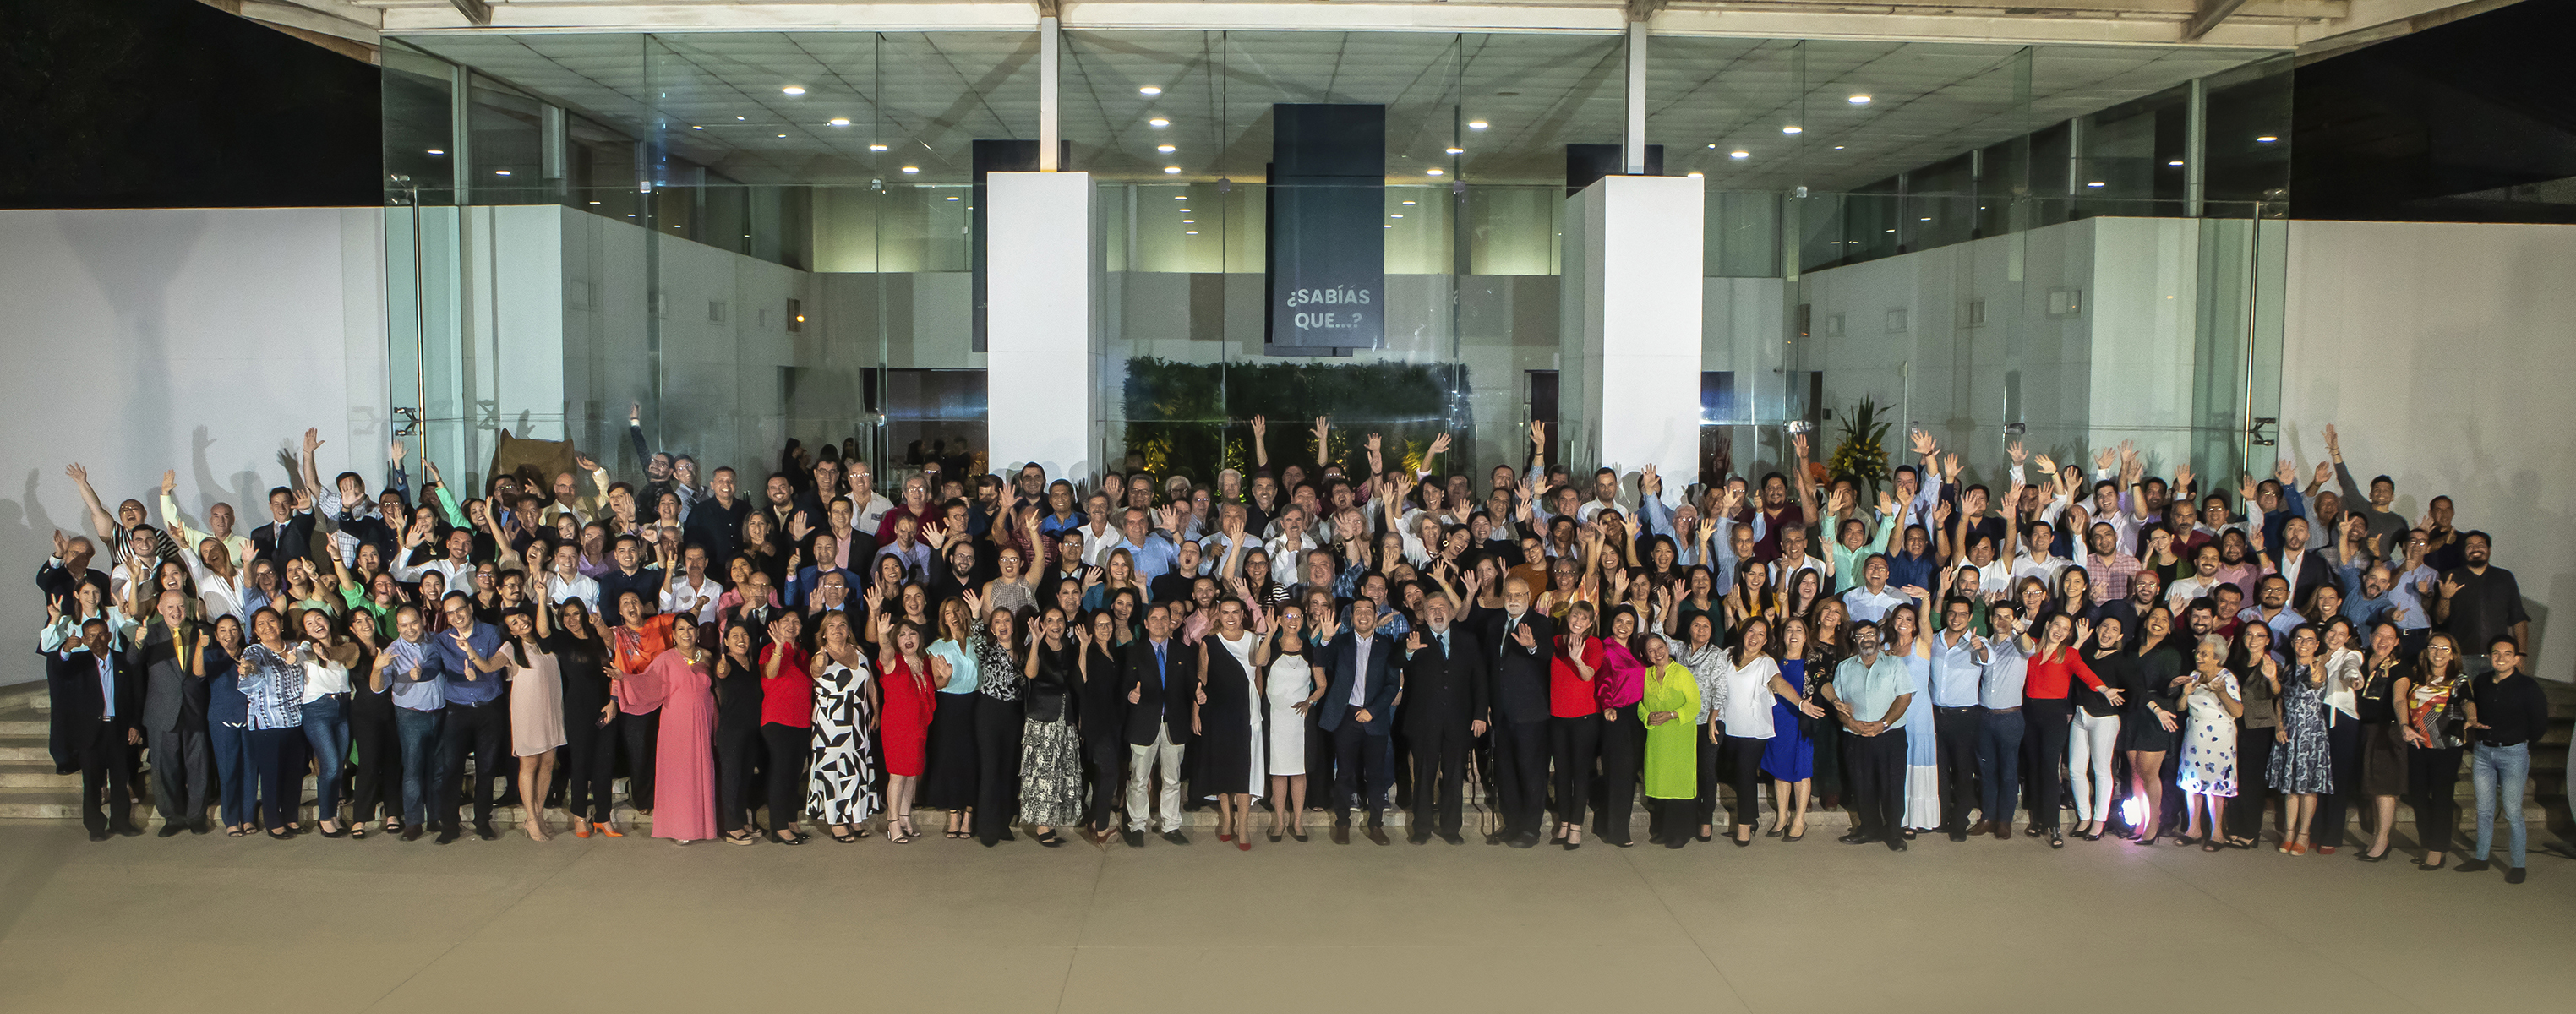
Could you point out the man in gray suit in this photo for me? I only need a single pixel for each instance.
(174, 721)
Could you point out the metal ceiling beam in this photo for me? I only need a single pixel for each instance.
(2211, 13)
(475, 11)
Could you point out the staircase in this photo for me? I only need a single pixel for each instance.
(30, 790)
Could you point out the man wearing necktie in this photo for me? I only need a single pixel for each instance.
(1443, 697)
(1358, 712)
(1161, 686)
(1519, 698)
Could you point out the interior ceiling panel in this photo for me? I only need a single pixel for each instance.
(717, 98)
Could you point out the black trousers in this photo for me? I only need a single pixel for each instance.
(378, 781)
(737, 758)
(997, 768)
(2253, 796)
(1439, 775)
(1623, 749)
(640, 733)
(1108, 756)
(789, 747)
(1670, 820)
(1362, 769)
(1710, 770)
(2050, 721)
(1742, 762)
(1877, 781)
(277, 762)
(590, 765)
(1575, 745)
(1955, 731)
(482, 731)
(1520, 775)
(2432, 786)
(2343, 749)
(1400, 767)
(107, 780)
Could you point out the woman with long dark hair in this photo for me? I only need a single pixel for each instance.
(273, 682)
(1789, 756)
(2342, 661)
(786, 723)
(1574, 720)
(2258, 679)
(377, 781)
(1748, 719)
(912, 683)
(536, 712)
(1001, 675)
(2151, 726)
(1615, 690)
(948, 780)
(589, 718)
(327, 660)
(1050, 770)
(738, 690)
(2383, 734)
(2301, 766)
(2435, 696)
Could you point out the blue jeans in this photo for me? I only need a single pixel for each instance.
(326, 730)
(232, 770)
(418, 731)
(1999, 764)
(2498, 772)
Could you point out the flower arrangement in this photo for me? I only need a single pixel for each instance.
(1862, 455)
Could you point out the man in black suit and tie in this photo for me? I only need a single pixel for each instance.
(1444, 706)
(272, 541)
(1358, 712)
(97, 693)
(1519, 696)
(1162, 691)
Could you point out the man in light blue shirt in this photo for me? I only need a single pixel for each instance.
(1999, 730)
(1958, 667)
(1870, 602)
(419, 689)
(1154, 554)
(1872, 693)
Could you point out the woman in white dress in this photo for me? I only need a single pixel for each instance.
(1287, 659)
(2208, 772)
(1227, 719)
(841, 792)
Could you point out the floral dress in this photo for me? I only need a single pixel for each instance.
(2302, 764)
(2209, 739)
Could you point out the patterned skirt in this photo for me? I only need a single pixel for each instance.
(842, 789)
(2304, 763)
(1050, 773)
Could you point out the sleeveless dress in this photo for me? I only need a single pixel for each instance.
(1230, 741)
(1292, 680)
(1790, 755)
(910, 704)
(2304, 764)
(2209, 741)
(536, 705)
(1922, 754)
(842, 788)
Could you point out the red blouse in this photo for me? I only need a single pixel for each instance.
(787, 699)
(1569, 695)
(2049, 680)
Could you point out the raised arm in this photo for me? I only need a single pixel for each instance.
(1260, 442)
(1798, 478)
(101, 523)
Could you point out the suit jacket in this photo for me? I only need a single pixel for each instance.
(58, 582)
(1166, 697)
(1520, 675)
(78, 704)
(154, 654)
(1380, 683)
(2313, 572)
(1446, 689)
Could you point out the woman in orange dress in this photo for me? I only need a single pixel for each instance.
(911, 696)
(684, 762)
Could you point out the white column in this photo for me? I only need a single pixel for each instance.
(1639, 283)
(1042, 377)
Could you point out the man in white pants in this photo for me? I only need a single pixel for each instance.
(1162, 697)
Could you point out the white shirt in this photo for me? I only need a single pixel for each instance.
(324, 677)
(678, 593)
(1747, 710)
(2045, 568)
(1867, 606)
(560, 590)
(1098, 541)
(1359, 677)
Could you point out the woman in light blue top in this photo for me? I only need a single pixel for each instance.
(272, 680)
(948, 776)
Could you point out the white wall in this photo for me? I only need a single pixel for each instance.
(201, 340)
(1043, 377)
(1641, 284)
(2444, 355)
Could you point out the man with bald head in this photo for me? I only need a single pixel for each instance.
(1520, 637)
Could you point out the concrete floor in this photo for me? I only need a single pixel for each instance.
(217, 924)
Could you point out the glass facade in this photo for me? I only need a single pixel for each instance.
(764, 236)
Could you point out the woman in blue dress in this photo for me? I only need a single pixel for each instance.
(1922, 757)
(1790, 755)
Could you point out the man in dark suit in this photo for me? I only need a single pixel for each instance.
(68, 567)
(265, 540)
(174, 728)
(1162, 685)
(1519, 697)
(2306, 571)
(96, 692)
(1358, 713)
(1445, 709)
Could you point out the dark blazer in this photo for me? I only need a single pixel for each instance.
(1166, 697)
(78, 705)
(58, 582)
(1445, 690)
(2313, 572)
(1381, 683)
(1520, 675)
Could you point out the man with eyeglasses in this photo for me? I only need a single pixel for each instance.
(468, 657)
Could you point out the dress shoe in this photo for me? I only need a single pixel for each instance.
(1378, 834)
(447, 835)
(1419, 837)
(1857, 838)
(1135, 839)
(2003, 832)
(2473, 866)
(1896, 844)
(2513, 874)
(1341, 834)
(129, 830)
(99, 835)
(201, 827)
(1981, 829)
(1453, 837)
(1676, 841)
(1958, 835)
(1525, 841)
(170, 829)
(411, 833)
(1176, 837)
(483, 830)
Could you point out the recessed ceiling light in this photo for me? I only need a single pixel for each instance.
(839, 121)
(1150, 90)
(2175, 162)
(1434, 172)
(1189, 232)
(1189, 221)
(1927, 220)
(2097, 183)
(1171, 170)
(1457, 151)
(1181, 199)
(1395, 216)
(437, 151)
(1697, 175)
(1712, 147)
(1165, 148)
(696, 127)
(782, 135)
(1158, 122)
(500, 172)
(2265, 139)
(737, 117)
(1739, 154)
(876, 147)
(1477, 124)
(912, 168)
(1408, 202)
(1793, 130)
(594, 204)
(1182, 210)
(1858, 100)
(1838, 147)
(793, 90)
(952, 198)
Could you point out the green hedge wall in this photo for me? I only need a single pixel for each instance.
(1195, 418)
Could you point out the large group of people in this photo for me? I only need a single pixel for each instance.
(764, 657)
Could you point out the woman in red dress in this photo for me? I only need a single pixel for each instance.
(684, 762)
(911, 695)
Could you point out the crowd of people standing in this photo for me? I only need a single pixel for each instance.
(1092, 656)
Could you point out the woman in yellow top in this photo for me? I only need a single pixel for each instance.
(1670, 708)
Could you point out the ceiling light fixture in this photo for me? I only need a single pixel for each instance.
(2175, 162)
(1395, 216)
(1408, 202)
(1477, 124)
(952, 198)
(1739, 154)
(2097, 183)
(793, 90)
(1189, 221)
(876, 147)
(696, 127)
(912, 168)
(1181, 199)
(839, 121)
(782, 136)
(1793, 129)
(1697, 175)
(437, 151)
(1150, 90)
(1457, 151)
(737, 117)
(1165, 148)
(1435, 172)
(2265, 139)
(1858, 100)
(1171, 170)
(1838, 147)
(1189, 232)
(500, 172)
(1158, 123)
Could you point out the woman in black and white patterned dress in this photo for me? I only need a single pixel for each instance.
(842, 792)
(1050, 748)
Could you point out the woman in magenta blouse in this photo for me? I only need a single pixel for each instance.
(1621, 683)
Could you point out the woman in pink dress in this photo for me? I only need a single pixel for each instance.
(684, 762)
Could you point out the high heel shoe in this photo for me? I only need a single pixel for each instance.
(2380, 858)
(1793, 837)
